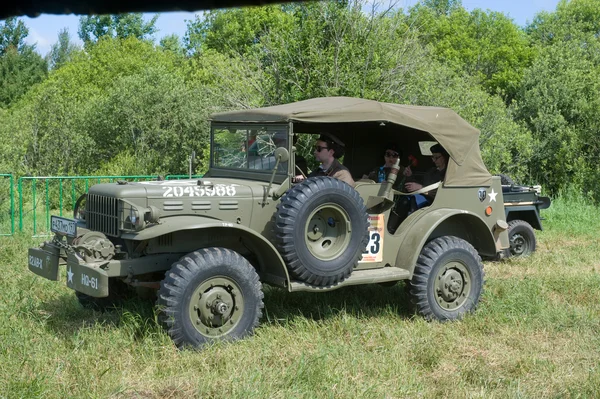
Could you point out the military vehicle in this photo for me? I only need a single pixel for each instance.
(208, 245)
(522, 206)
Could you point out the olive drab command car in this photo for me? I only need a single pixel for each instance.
(206, 246)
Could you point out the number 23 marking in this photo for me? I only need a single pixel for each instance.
(374, 243)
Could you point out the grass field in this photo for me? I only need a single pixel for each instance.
(536, 334)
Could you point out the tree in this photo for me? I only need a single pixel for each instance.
(62, 51)
(94, 27)
(20, 66)
(172, 43)
(233, 31)
(12, 35)
(486, 45)
(572, 20)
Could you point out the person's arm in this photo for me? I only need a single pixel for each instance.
(344, 175)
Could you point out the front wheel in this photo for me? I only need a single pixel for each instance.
(210, 294)
(448, 279)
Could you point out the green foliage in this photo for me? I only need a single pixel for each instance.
(12, 35)
(572, 20)
(20, 66)
(484, 44)
(233, 31)
(558, 101)
(19, 71)
(172, 43)
(141, 108)
(94, 27)
(61, 52)
(122, 95)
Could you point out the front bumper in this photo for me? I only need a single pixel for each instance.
(88, 278)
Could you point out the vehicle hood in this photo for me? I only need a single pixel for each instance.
(189, 188)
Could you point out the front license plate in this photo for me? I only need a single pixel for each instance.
(44, 262)
(63, 226)
(89, 280)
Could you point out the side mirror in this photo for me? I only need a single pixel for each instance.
(282, 154)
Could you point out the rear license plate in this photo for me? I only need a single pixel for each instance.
(44, 262)
(63, 226)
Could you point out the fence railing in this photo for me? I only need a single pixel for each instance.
(53, 198)
(39, 197)
(7, 204)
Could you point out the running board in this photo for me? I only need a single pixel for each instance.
(358, 277)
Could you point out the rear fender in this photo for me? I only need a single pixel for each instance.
(444, 222)
(270, 267)
(528, 213)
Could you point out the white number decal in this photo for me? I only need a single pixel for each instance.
(220, 190)
(178, 191)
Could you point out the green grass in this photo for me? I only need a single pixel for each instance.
(535, 335)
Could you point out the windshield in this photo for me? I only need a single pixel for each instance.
(248, 147)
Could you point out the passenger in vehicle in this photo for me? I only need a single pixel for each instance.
(328, 149)
(380, 174)
(440, 158)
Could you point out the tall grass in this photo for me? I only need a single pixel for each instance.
(535, 334)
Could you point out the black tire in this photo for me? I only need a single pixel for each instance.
(321, 230)
(210, 294)
(506, 180)
(448, 279)
(118, 292)
(522, 239)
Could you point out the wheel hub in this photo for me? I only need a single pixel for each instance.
(517, 244)
(216, 306)
(328, 231)
(452, 285)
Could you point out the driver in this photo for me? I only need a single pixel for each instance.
(328, 149)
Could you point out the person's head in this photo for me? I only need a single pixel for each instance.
(391, 154)
(328, 147)
(439, 156)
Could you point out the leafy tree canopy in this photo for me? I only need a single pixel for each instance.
(93, 28)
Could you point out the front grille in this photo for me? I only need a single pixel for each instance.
(102, 214)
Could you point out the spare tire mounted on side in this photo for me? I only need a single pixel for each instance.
(321, 227)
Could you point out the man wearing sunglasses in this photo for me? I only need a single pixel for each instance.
(327, 150)
(390, 156)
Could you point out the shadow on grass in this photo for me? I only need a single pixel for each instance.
(362, 301)
(67, 316)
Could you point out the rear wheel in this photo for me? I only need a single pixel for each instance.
(210, 294)
(521, 237)
(448, 279)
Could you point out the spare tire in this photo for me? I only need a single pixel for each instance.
(321, 230)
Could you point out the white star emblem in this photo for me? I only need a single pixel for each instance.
(70, 276)
(493, 196)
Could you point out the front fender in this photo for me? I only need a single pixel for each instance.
(442, 222)
(271, 266)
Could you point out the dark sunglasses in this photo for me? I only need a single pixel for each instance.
(318, 148)
(391, 154)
